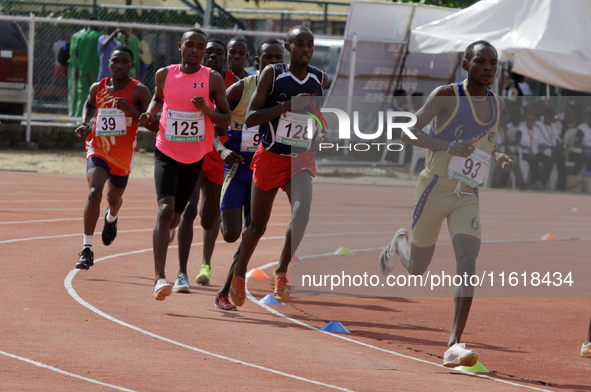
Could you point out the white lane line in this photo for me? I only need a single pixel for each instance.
(44, 366)
(67, 219)
(275, 312)
(68, 285)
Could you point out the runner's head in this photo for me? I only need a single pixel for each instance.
(192, 46)
(215, 55)
(269, 52)
(237, 53)
(300, 45)
(480, 61)
(121, 62)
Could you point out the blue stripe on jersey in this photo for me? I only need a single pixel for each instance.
(464, 120)
(286, 86)
(423, 200)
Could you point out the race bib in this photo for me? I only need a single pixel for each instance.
(184, 126)
(293, 130)
(471, 170)
(250, 139)
(111, 122)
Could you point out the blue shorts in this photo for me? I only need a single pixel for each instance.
(117, 181)
(237, 185)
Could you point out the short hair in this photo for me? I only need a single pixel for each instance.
(291, 33)
(123, 48)
(469, 53)
(237, 38)
(399, 92)
(220, 42)
(269, 41)
(417, 94)
(194, 30)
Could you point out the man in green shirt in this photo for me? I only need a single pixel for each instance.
(86, 52)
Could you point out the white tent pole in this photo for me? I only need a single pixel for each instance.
(31, 56)
(351, 87)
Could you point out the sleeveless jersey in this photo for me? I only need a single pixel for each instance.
(463, 124)
(234, 142)
(228, 78)
(285, 86)
(185, 134)
(119, 130)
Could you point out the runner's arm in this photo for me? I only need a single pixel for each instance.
(257, 114)
(140, 98)
(228, 156)
(221, 115)
(234, 94)
(88, 111)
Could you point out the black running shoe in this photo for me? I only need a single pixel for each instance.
(86, 259)
(109, 230)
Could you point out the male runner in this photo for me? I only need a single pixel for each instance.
(586, 349)
(237, 153)
(284, 159)
(466, 123)
(117, 102)
(237, 56)
(186, 93)
(210, 182)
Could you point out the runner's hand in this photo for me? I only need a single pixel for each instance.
(507, 162)
(146, 119)
(302, 101)
(122, 104)
(81, 131)
(230, 157)
(199, 103)
(463, 149)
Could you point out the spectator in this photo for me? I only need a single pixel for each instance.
(583, 141)
(73, 65)
(106, 44)
(552, 144)
(86, 53)
(60, 73)
(145, 55)
(134, 44)
(570, 117)
(529, 137)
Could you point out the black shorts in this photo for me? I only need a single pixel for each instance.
(175, 179)
(117, 181)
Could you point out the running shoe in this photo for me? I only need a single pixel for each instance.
(586, 350)
(238, 290)
(204, 274)
(109, 230)
(182, 284)
(457, 355)
(222, 302)
(86, 259)
(389, 256)
(162, 290)
(281, 292)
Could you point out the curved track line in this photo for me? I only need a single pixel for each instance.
(275, 312)
(44, 366)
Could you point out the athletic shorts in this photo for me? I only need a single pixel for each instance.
(213, 168)
(237, 185)
(117, 181)
(436, 200)
(176, 179)
(272, 170)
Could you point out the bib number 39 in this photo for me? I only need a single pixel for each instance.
(110, 122)
(472, 170)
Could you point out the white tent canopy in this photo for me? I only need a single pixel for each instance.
(550, 40)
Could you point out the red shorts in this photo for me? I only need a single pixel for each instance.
(272, 170)
(213, 167)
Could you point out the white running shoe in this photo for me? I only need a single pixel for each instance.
(586, 350)
(181, 285)
(389, 255)
(162, 290)
(457, 355)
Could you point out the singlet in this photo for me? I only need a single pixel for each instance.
(117, 146)
(463, 124)
(185, 134)
(274, 134)
(248, 144)
(228, 78)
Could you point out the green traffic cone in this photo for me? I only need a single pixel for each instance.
(478, 368)
(342, 251)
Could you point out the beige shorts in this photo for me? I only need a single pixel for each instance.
(436, 200)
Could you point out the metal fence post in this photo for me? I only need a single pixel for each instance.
(31, 55)
(351, 87)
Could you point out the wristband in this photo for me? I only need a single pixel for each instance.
(85, 124)
(283, 107)
(451, 145)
